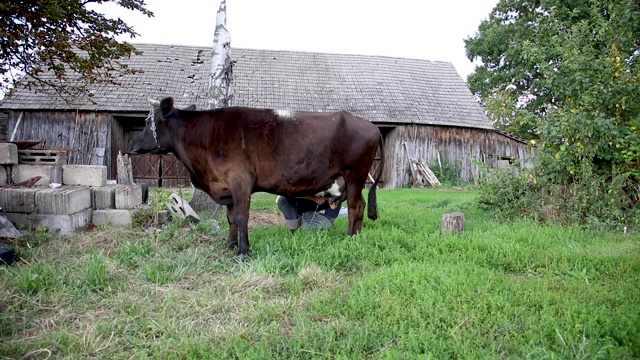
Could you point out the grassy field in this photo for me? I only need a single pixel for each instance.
(399, 290)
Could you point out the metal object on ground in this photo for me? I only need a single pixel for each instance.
(315, 220)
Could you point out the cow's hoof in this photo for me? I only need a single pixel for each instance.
(241, 257)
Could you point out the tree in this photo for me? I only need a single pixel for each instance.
(574, 65)
(220, 92)
(64, 38)
(572, 70)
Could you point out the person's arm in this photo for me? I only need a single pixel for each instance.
(318, 199)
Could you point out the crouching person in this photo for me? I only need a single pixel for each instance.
(293, 208)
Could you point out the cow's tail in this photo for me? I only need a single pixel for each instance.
(372, 203)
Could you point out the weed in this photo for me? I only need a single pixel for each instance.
(38, 278)
(95, 278)
(447, 171)
(589, 201)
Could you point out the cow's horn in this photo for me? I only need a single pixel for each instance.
(154, 103)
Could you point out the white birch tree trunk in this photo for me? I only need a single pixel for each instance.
(220, 89)
(220, 93)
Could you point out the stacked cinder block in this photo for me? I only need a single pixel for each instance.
(83, 196)
(115, 203)
(63, 210)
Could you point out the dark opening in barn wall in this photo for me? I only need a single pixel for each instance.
(4, 119)
(153, 170)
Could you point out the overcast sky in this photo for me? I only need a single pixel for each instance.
(420, 29)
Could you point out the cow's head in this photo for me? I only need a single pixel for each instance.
(156, 136)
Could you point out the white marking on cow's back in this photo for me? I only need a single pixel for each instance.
(285, 114)
(334, 190)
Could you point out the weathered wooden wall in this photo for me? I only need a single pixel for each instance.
(86, 131)
(4, 118)
(455, 144)
(82, 131)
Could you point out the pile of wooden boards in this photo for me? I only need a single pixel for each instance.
(420, 171)
(425, 172)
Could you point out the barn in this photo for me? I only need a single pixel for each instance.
(418, 104)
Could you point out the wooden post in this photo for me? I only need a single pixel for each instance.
(452, 223)
(125, 171)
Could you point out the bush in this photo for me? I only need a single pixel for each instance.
(510, 193)
(590, 200)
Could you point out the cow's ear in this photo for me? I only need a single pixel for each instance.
(166, 106)
(191, 107)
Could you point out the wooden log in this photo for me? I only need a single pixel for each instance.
(125, 171)
(452, 223)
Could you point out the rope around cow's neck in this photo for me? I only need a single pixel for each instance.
(152, 117)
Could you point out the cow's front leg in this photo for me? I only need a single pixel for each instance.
(233, 227)
(241, 202)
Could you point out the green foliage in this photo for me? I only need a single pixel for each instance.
(398, 290)
(575, 66)
(96, 277)
(567, 75)
(132, 254)
(24, 244)
(510, 194)
(50, 41)
(591, 201)
(146, 217)
(448, 173)
(38, 278)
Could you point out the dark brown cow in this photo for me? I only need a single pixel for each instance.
(233, 152)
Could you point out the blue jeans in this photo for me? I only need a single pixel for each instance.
(293, 208)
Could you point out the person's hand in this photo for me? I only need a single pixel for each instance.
(333, 205)
(319, 199)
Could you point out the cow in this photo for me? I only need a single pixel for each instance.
(232, 152)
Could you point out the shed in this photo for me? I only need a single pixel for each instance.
(423, 103)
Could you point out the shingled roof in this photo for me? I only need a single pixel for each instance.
(380, 89)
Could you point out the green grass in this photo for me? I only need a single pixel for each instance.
(398, 290)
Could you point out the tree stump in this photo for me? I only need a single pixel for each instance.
(452, 223)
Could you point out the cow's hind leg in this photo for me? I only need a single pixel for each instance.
(356, 204)
(233, 228)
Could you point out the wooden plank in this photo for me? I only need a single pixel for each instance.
(409, 151)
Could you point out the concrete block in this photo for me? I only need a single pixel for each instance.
(85, 175)
(49, 173)
(42, 157)
(65, 200)
(19, 200)
(181, 208)
(57, 224)
(128, 196)
(8, 154)
(104, 197)
(5, 170)
(114, 216)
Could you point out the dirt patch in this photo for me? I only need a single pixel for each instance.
(261, 219)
